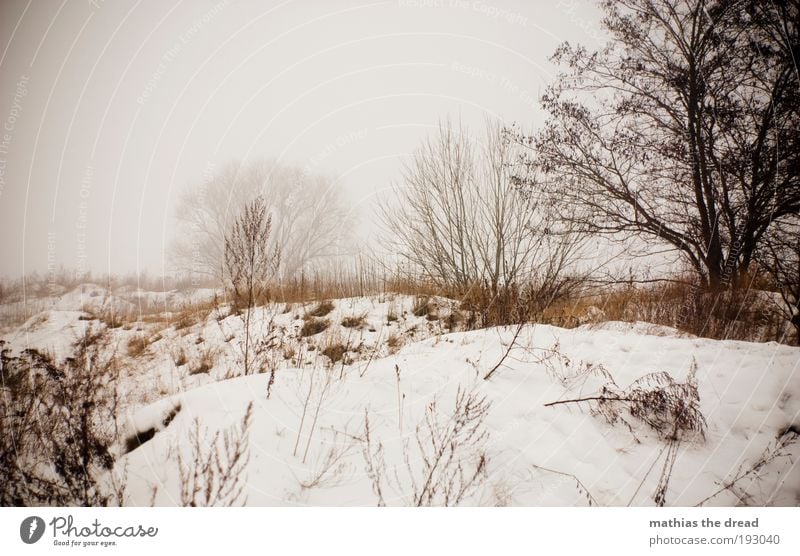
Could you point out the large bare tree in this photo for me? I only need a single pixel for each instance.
(682, 130)
(309, 224)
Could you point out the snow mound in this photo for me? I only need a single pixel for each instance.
(313, 453)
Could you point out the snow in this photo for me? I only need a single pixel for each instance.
(536, 455)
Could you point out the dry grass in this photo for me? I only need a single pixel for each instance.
(391, 313)
(354, 321)
(335, 352)
(422, 306)
(334, 346)
(736, 314)
(393, 342)
(137, 345)
(180, 358)
(215, 472)
(205, 361)
(192, 314)
(313, 326)
(322, 309)
(109, 317)
(450, 447)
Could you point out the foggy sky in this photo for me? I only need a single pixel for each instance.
(110, 109)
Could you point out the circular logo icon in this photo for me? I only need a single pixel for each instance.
(31, 529)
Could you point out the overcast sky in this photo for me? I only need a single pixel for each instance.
(111, 109)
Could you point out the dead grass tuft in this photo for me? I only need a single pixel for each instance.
(313, 326)
(354, 321)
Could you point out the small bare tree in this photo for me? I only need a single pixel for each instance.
(250, 262)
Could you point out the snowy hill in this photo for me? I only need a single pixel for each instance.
(402, 414)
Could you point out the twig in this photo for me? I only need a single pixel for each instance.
(581, 486)
(488, 375)
(303, 416)
(589, 399)
(399, 401)
(372, 354)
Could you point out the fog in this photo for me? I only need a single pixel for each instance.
(111, 110)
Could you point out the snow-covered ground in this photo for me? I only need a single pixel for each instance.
(402, 374)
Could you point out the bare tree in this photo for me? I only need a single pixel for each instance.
(682, 130)
(309, 217)
(459, 218)
(250, 262)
